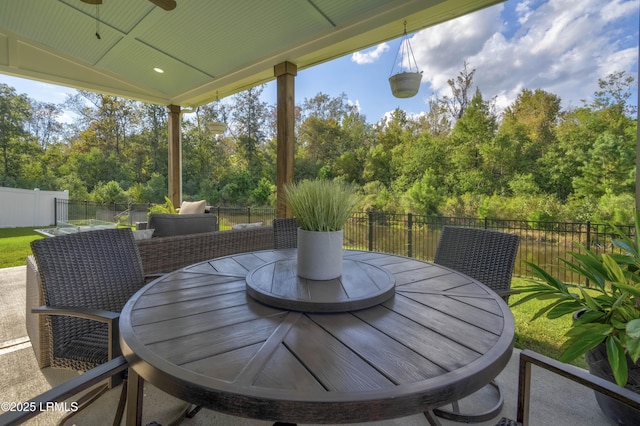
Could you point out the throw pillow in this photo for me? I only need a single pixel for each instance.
(193, 207)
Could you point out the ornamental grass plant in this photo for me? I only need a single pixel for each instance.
(321, 205)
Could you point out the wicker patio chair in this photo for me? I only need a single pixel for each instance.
(86, 279)
(578, 375)
(285, 233)
(486, 255)
(489, 257)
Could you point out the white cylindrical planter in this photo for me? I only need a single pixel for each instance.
(319, 254)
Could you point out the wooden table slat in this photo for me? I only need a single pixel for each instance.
(186, 280)
(225, 366)
(284, 371)
(458, 344)
(399, 363)
(204, 289)
(191, 347)
(204, 321)
(334, 364)
(456, 331)
(185, 308)
(229, 265)
(256, 365)
(457, 311)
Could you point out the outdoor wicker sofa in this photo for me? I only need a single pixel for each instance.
(159, 255)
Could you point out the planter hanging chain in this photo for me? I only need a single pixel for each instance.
(406, 51)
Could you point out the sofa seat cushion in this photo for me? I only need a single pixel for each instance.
(167, 225)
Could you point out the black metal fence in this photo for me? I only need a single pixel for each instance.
(123, 213)
(542, 243)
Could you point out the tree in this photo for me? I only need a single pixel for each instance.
(415, 155)
(250, 116)
(608, 169)
(389, 134)
(112, 119)
(205, 157)
(473, 170)
(530, 125)
(43, 122)
(324, 107)
(576, 136)
(562, 161)
(330, 127)
(14, 115)
(436, 121)
(425, 195)
(456, 104)
(153, 136)
(319, 139)
(108, 193)
(615, 91)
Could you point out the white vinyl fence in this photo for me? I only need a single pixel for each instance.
(24, 207)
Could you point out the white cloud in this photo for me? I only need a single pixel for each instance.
(616, 9)
(562, 46)
(523, 10)
(371, 55)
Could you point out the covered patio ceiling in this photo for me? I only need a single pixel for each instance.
(205, 47)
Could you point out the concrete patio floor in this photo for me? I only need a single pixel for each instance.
(555, 401)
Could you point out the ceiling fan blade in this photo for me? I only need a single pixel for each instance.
(92, 1)
(165, 4)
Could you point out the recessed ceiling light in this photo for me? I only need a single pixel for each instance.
(158, 70)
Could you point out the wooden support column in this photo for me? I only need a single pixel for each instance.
(285, 73)
(175, 155)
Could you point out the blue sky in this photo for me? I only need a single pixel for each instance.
(562, 46)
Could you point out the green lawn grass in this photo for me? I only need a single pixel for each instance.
(541, 335)
(14, 245)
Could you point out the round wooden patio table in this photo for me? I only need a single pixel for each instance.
(202, 335)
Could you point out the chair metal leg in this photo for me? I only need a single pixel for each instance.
(456, 416)
(91, 396)
(84, 401)
(431, 418)
(121, 404)
(191, 413)
(134, 398)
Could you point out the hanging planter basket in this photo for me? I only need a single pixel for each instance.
(405, 83)
(217, 127)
